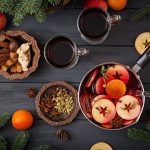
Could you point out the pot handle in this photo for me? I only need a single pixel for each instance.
(141, 93)
(142, 61)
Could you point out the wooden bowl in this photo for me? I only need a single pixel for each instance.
(62, 119)
(23, 37)
(52, 9)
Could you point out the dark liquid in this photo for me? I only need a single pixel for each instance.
(93, 23)
(60, 52)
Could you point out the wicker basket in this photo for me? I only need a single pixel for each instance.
(46, 89)
(24, 37)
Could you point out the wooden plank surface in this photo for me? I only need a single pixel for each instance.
(119, 47)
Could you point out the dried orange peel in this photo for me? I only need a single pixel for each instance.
(101, 146)
(142, 42)
(116, 89)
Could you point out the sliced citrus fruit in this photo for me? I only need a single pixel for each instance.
(116, 88)
(101, 146)
(142, 42)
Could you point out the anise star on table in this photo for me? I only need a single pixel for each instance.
(31, 92)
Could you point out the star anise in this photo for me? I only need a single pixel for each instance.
(102, 110)
(129, 106)
(147, 44)
(117, 75)
(31, 92)
(116, 122)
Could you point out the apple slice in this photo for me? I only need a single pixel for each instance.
(128, 107)
(117, 72)
(91, 79)
(100, 86)
(127, 122)
(98, 98)
(106, 125)
(103, 111)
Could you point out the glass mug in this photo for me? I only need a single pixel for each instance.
(62, 53)
(94, 24)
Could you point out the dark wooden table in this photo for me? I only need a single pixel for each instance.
(119, 47)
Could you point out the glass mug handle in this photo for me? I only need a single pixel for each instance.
(82, 51)
(115, 19)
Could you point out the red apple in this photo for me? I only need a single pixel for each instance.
(100, 86)
(98, 98)
(3, 21)
(117, 72)
(96, 3)
(103, 111)
(91, 79)
(128, 107)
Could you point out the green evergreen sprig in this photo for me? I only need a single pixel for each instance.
(20, 8)
(20, 141)
(138, 134)
(140, 14)
(4, 119)
(42, 147)
(3, 143)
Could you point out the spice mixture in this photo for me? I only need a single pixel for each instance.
(57, 102)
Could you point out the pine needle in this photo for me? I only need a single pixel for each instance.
(20, 141)
(138, 134)
(3, 143)
(4, 119)
(140, 14)
(42, 147)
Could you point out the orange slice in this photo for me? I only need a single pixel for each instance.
(116, 88)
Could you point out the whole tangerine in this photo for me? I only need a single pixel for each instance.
(117, 4)
(116, 89)
(22, 120)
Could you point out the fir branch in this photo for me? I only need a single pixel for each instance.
(45, 4)
(139, 14)
(20, 141)
(42, 147)
(7, 5)
(54, 2)
(4, 119)
(33, 4)
(138, 134)
(40, 16)
(3, 143)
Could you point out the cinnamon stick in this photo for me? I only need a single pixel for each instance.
(3, 55)
(3, 59)
(4, 44)
(9, 37)
(4, 50)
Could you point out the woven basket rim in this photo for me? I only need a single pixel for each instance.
(76, 106)
(35, 59)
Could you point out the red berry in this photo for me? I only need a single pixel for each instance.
(96, 3)
(3, 21)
